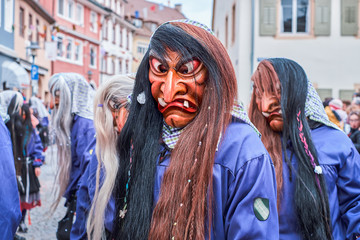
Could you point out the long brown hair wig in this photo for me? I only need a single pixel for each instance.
(311, 200)
(185, 200)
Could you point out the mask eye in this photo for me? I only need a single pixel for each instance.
(189, 67)
(157, 66)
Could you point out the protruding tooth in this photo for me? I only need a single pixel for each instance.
(186, 104)
(280, 112)
(162, 102)
(266, 114)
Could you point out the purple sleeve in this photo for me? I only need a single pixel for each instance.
(35, 149)
(10, 213)
(252, 212)
(83, 204)
(349, 193)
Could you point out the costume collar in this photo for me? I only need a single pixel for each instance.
(171, 135)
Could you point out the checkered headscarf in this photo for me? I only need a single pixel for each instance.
(314, 108)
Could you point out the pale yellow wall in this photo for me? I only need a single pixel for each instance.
(138, 57)
(20, 42)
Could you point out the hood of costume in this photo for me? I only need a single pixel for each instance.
(82, 94)
(314, 108)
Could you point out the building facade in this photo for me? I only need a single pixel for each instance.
(32, 25)
(146, 16)
(116, 40)
(77, 36)
(9, 68)
(321, 35)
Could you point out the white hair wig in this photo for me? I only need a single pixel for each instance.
(61, 128)
(116, 89)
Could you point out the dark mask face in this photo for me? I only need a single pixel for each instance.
(178, 86)
(119, 113)
(269, 105)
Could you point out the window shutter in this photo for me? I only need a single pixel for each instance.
(268, 17)
(349, 17)
(322, 17)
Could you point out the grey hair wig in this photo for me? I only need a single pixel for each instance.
(116, 89)
(61, 126)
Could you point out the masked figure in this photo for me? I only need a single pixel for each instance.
(191, 165)
(41, 113)
(316, 165)
(27, 152)
(72, 126)
(110, 113)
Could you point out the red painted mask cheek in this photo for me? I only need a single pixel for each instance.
(121, 119)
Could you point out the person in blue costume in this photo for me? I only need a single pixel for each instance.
(190, 163)
(42, 115)
(317, 167)
(110, 113)
(73, 129)
(27, 152)
(10, 213)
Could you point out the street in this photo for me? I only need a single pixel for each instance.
(43, 226)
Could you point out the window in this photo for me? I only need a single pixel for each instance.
(127, 41)
(45, 35)
(118, 7)
(70, 9)
(120, 36)
(141, 50)
(8, 15)
(233, 24)
(105, 30)
(78, 52)
(103, 64)
(127, 66)
(21, 22)
(37, 31)
(59, 46)
(79, 14)
(346, 94)
(324, 93)
(93, 21)
(30, 27)
(113, 34)
(92, 57)
(69, 49)
(61, 7)
(120, 66)
(112, 71)
(137, 23)
(109, 31)
(226, 31)
(153, 27)
(295, 16)
(350, 18)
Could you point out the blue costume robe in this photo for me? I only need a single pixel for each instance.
(34, 149)
(10, 214)
(82, 133)
(340, 163)
(242, 173)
